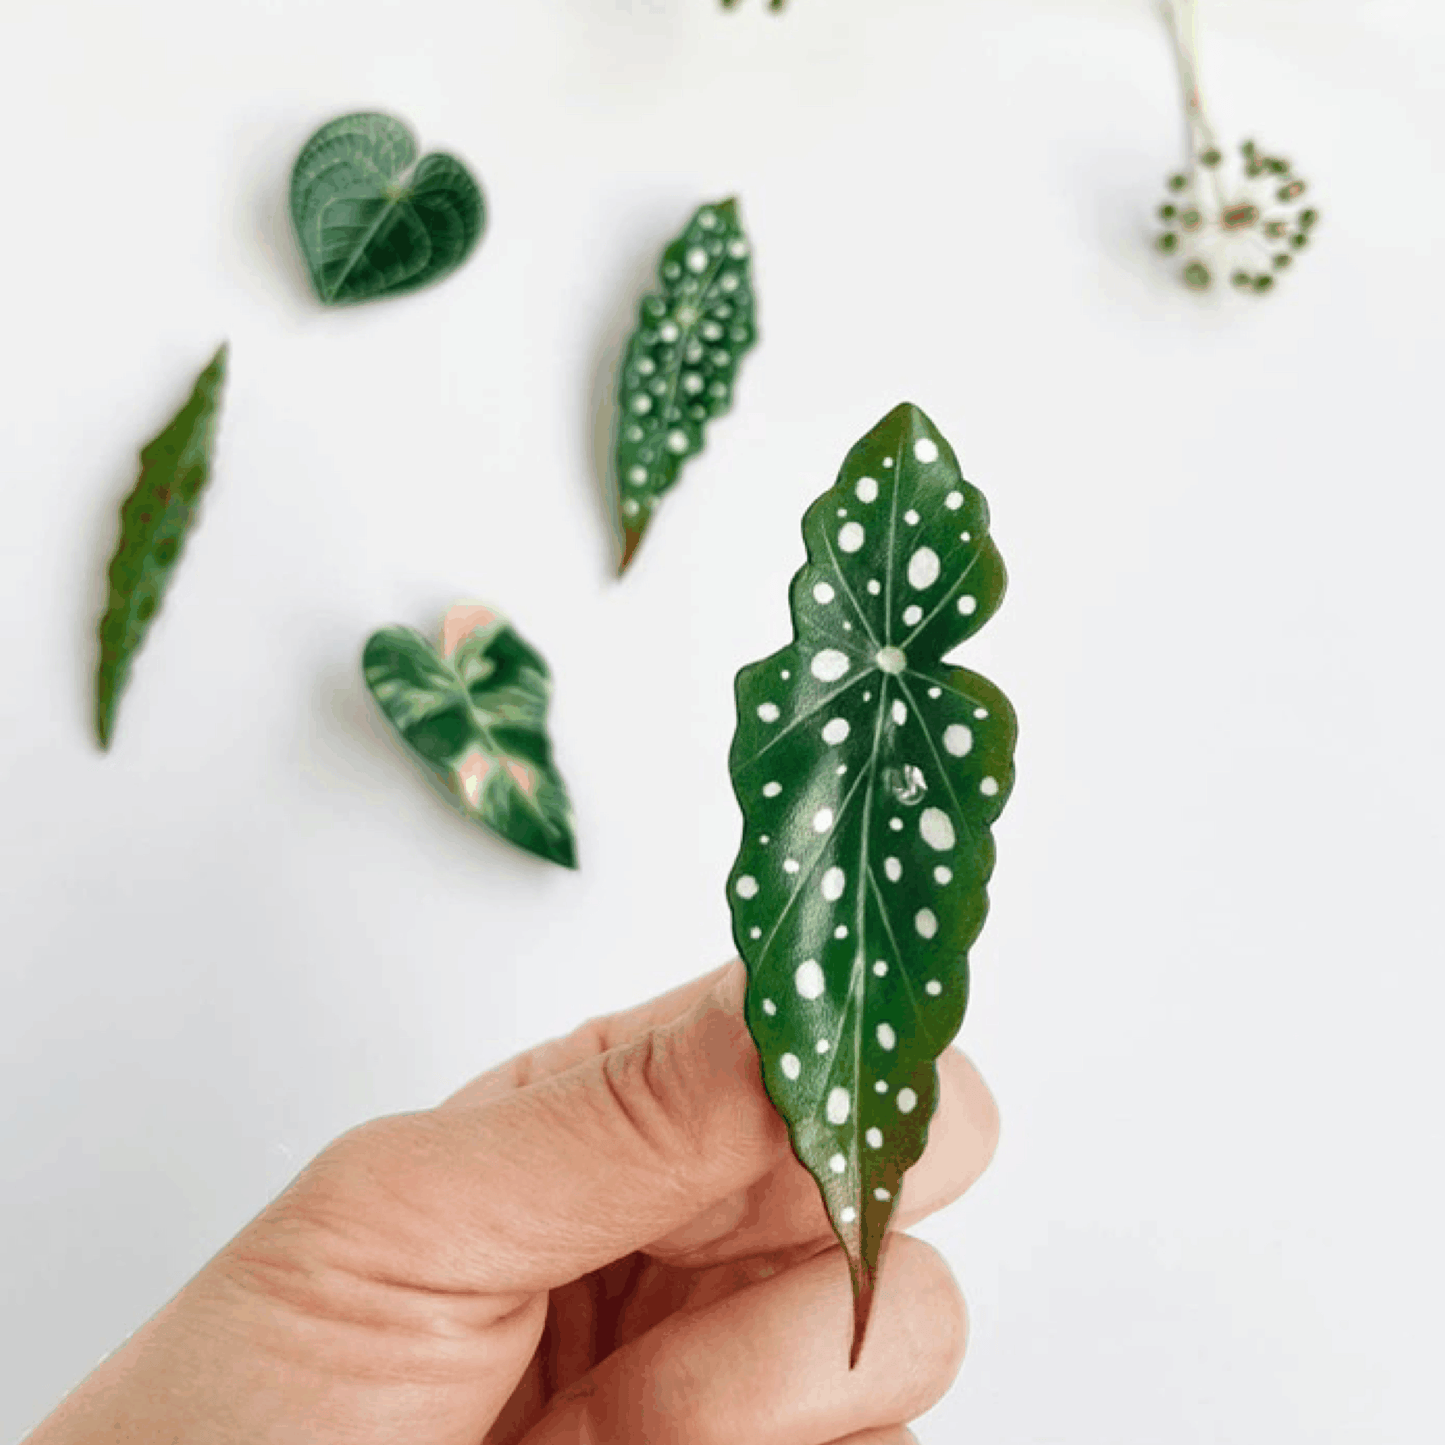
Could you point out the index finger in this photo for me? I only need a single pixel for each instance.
(782, 1211)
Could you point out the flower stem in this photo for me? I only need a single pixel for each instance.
(1179, 19)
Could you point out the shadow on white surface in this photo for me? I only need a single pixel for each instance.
(260, 240)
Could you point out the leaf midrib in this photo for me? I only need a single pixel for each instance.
(401, 179)
(490, 746)
(857, 990)
(706, 287)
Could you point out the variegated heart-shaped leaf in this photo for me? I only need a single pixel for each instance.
(681, 362)
(869, 773)
(475, 715)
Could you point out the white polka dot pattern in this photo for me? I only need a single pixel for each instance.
(868, 801)
(680, 366)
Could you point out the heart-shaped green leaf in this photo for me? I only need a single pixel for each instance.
(681, 362)
(869, 773)
(374, 221)
(475, 715)
(154, 522)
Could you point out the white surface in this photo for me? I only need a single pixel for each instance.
(1209, 998)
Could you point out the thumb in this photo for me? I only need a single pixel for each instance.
(526, 1191)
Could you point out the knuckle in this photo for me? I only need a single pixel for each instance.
(363, 1159)
(650, 1094)
(593, 1035)
(357, 1188)
(355, 1228)
(670, 1084)
(934, 1321)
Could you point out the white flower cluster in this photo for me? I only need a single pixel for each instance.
(1244, 221)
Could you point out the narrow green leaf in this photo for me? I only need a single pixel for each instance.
(475, 715)
(374, 221)
(681, 363)
(154, 523)
(869, 773)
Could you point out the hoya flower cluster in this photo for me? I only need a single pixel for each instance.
(1241, 222)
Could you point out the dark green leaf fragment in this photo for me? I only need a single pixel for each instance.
(374, 221)
(154, 523)
(869, 772)
(680, 365)
(475, 716)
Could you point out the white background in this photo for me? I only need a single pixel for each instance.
(1209, 998)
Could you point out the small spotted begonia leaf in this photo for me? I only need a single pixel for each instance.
(870, 773)
(475, 715)
(372, 220)
(681, 363)
(155, 520)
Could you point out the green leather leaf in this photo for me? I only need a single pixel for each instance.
(869, 773)
(154, 523)
(475, 716)
(681, 362)
(374, 221)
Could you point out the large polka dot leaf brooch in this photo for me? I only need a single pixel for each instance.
(371, 219)
(869, 773)
(155, 520)
(681, 363)
(474, 714)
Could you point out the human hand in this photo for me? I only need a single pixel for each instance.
(606, 1241)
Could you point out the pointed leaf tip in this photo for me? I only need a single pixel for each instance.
(870, 773)
(907, 414)
(863, 1290)
(680, 365)
(631, 540)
